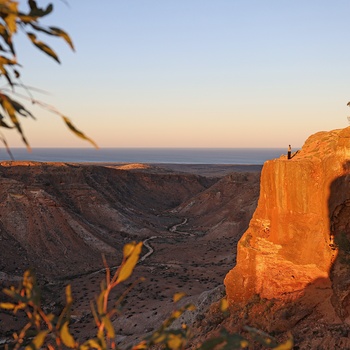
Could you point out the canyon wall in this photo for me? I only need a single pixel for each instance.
(55, 215)
(300, 233)
(59, 217)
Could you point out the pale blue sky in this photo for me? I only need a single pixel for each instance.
(193, 73)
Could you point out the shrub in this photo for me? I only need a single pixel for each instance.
(52, 331)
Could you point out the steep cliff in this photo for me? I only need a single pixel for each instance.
(296, 250)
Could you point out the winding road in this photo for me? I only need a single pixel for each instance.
(172, 229)
(149, 247)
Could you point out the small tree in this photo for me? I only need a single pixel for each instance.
(13, 21)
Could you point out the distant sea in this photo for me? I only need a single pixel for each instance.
(148, 155)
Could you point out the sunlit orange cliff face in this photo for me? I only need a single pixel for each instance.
(304, 202)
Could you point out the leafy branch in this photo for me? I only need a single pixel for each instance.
(53, 331)
(13, 20)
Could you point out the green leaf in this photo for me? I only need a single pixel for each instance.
(43, 47)
(178, 296)
(13, 294)
(69, 299)
(91, 344)
(6, 104)
(38, 341)
(100, 302)
(25, 18)
(128, 267)
(10, 18)
(5, 73)
(128, 249)
(61, 33)
(4, 60)
(176, 314)
(7, 306)
(40, 29)
(141, 346)
(66, 337)
(7, 38)
(35, 11)
(190, 307)
(109, 327)
(3, 140)
(77, 132)
(175, 341)
(223, 305)
(55, 32)
(101, 339)
(4, 124)
(20, 109)
(19, 306)
(244, 343)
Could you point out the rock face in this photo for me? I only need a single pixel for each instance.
(299, 236)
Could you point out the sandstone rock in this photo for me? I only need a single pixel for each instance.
(299, 235)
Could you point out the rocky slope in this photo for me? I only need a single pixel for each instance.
(59, 218)
(293, 262)
(55, 215)
(224, 209)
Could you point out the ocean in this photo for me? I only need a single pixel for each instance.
(148, 155)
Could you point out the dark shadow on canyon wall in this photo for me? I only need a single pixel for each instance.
(331, 296)
(318, 316)
(339, 215)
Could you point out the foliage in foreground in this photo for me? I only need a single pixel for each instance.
(14, 21)
(46, 330)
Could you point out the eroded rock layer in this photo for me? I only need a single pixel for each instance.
(299, 236)
(59, 218)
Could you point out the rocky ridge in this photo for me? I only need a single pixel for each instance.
(56, 214)
(60, 217)
(293, 262)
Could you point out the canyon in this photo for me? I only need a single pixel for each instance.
(59, 218)
(278, 237)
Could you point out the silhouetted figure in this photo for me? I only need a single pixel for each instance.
(289, 152)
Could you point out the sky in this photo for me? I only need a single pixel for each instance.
(190, 73)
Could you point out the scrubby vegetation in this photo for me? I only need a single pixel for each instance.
(14, 20)
(43, 328)
(50, 331)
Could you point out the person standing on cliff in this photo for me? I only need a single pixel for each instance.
(289, 152)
